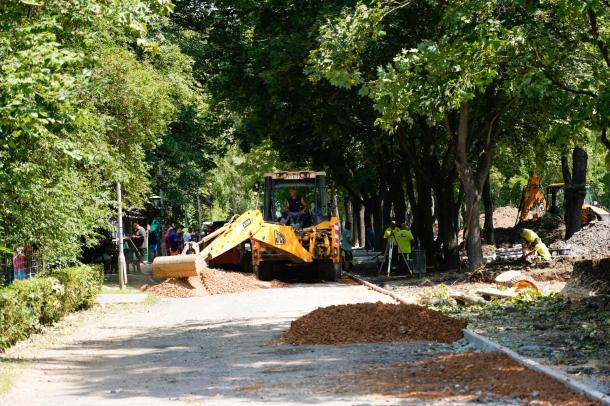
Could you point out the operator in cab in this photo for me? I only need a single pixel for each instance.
(294, 209)
(295, 203)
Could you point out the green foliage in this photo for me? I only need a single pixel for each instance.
(88, 90)
(236, 184)
(27, 305)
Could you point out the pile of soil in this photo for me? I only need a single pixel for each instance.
(593, 240)
(504, 217)
(590, 278)
(549, 228)
(373, 322)
(467, 377)
(220, 281)
(176, 287)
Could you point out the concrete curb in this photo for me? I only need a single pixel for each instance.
(486, 345)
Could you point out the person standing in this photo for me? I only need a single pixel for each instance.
(139, 241)
(186, 239)
(166, 240)
(347, 244)
(173, 242)
(153, 245)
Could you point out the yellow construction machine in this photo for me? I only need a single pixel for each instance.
(532, 199)
(532, 196)
(274, 240)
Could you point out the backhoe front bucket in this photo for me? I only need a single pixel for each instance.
(178, 266)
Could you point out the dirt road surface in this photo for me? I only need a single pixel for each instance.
(207, 350)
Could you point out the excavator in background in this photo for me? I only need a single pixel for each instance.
(272, 240)
(532, 199)
(591, 210)
(532, 196)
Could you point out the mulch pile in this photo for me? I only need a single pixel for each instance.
(592, 240)
(468, 377)
(373, 322)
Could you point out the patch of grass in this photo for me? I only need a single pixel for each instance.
(151, 300)
(9, 372)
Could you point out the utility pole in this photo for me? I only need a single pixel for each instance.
(122, 263)
(198, 210)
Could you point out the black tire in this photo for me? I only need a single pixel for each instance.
(264, 271)
(330, 272)
(245, 261)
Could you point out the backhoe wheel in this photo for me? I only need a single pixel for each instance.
(245, 261)
(330, 272)
(264, 271)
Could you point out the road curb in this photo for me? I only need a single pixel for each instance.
(486, 345)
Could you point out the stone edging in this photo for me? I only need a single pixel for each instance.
(486, 345)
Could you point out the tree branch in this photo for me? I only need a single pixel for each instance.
(601, 45)
(567, 88)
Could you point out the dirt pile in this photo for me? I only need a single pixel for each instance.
(592, 240)
(220, 281)
(176, 287)
(373, 322)
(549, 228)
(468, 377)
(590, 279)
(504, 217)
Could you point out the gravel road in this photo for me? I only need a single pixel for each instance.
(207, 350)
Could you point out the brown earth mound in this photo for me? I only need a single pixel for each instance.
(549, 228)
(175, 287)
(592, 240)
(220, 281)
(590, 278)
(468, 377)
(373, 322)
(504, 217)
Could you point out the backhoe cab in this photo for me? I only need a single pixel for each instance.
(274, 240)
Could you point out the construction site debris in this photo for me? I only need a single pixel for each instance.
(466, 299)
(466, 377)
(373, 322)
(590, 278)
(593, 240)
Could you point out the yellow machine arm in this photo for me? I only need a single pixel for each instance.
(248, 226)
(532, 195)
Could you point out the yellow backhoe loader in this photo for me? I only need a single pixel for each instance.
(274, 240)
(532, 199)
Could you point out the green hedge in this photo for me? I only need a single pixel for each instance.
(27, 305)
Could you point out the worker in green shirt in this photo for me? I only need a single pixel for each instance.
(404, 238)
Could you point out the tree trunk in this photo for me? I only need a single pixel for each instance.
(447, 214)
(575, 189)
(369, 210)
(488, 228)
(378, 222)
(473, 180)
(355, 215)
(360, 214)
